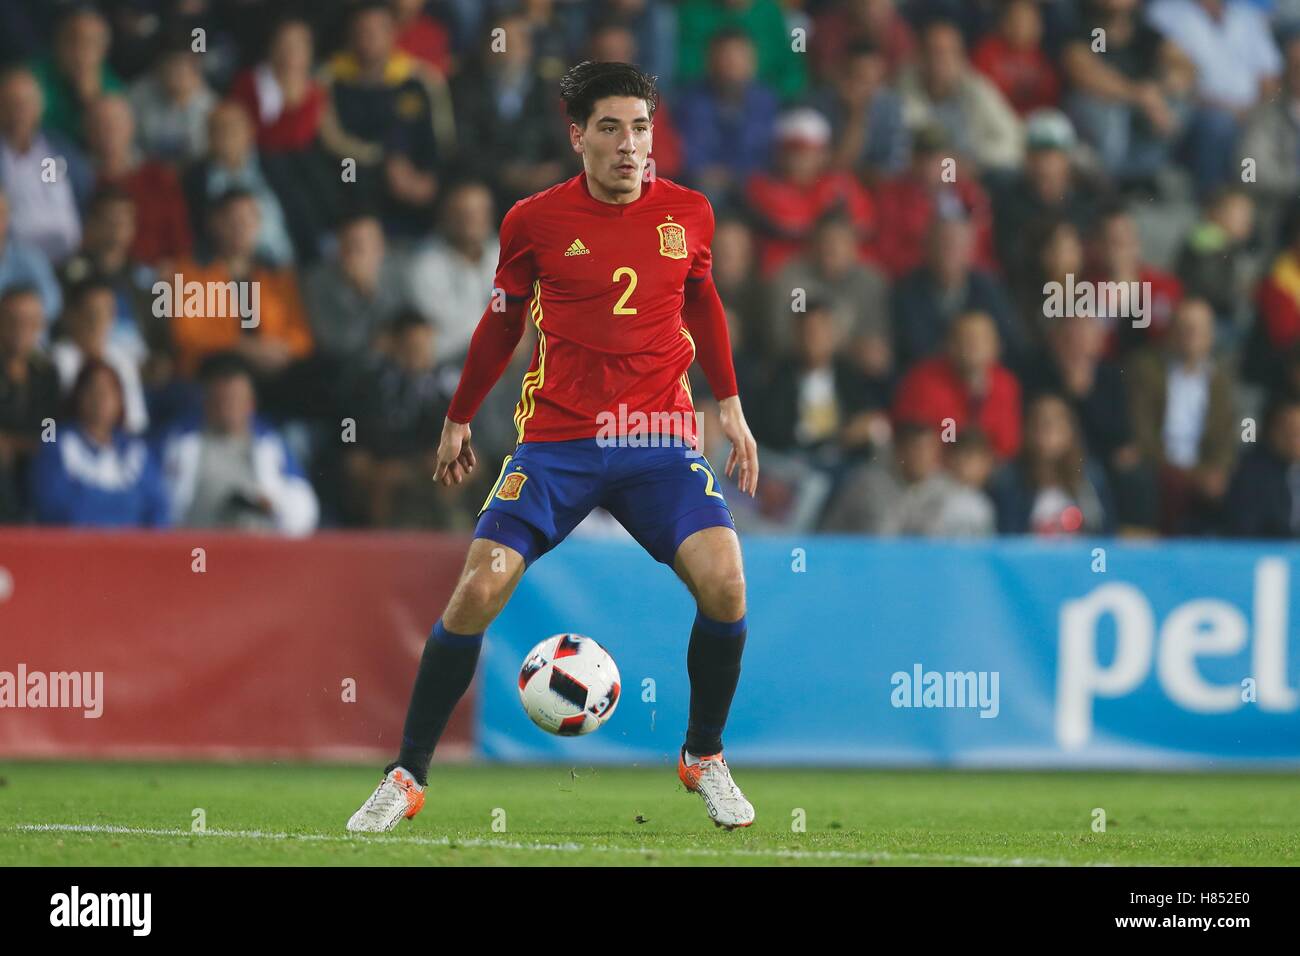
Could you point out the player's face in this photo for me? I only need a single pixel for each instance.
(615, 145)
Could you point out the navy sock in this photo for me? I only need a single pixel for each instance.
(446, 669)
(713, 662)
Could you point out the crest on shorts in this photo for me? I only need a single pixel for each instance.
(510, 485)
(672, 239)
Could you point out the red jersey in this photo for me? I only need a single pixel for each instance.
(605, 286)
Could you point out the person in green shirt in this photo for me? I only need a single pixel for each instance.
(780, 68)
(76, 72)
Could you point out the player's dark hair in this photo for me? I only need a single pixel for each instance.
(588, 82)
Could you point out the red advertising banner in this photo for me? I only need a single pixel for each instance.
(217, 646)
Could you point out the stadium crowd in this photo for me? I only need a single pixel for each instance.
(897, 186)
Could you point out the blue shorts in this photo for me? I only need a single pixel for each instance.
(660, 495)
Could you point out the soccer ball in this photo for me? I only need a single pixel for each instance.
(569, 685)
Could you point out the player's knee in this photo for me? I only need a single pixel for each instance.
(722, 592)
(479, 596)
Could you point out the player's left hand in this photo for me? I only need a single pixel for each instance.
(744, 450)
(455, 456)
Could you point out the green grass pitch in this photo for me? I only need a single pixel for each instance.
(91, 814)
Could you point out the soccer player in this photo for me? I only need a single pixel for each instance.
(613, 269)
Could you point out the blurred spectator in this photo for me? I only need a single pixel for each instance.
(390, 114)
(1075, 370)
(286, 103)
(866, 116)
(838, 27)
(1117, 263)
(1052, 487)
(162, 216)
(1271, 138)
(1056, 255)
(1263, 499)
(653, 23)
(1237, 65)
(1217, 262)
(25, 265)
(509, 128)
(280, 333)
(87, 326)
(789, 202)
(76, 72)
(231, 470)
(906, 491)
(727, 120)
(451, 275)
(105, 256)
(943, 88)
(29, 394)
(779, 66)
(422, 36)
(353, 295)
(929, 298)
(815, 401)
(966, 385)
(1014, 60)
(908, 205)
(1074, 367)
(970, 460)
(831, 271)
(1277, 301)
(401, 401)
(554, 32)
(232, 163)
(171, 104)
(1184, 418)
(1128, 84)
(43, 195)
(735, 274)
(280, 93)
(95, 474)
(1049, 186)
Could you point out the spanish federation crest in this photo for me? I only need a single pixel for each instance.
(510, 486)
(672, 239)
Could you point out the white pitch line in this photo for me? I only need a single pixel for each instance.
(873, 856)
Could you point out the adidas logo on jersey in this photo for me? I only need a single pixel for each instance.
(577, 249)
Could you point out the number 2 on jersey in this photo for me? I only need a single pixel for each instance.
(619, 274)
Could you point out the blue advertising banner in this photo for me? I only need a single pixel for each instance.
(1006, 653)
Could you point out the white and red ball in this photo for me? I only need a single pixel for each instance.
(569, 685)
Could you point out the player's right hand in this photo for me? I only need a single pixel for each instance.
(455, 456)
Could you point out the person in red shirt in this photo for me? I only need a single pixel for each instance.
(1013, 59)
(422, 36)
(280, 94)
(804, 190)
(965, 386)
(931, 188)
(162, 215)
(612, 267)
